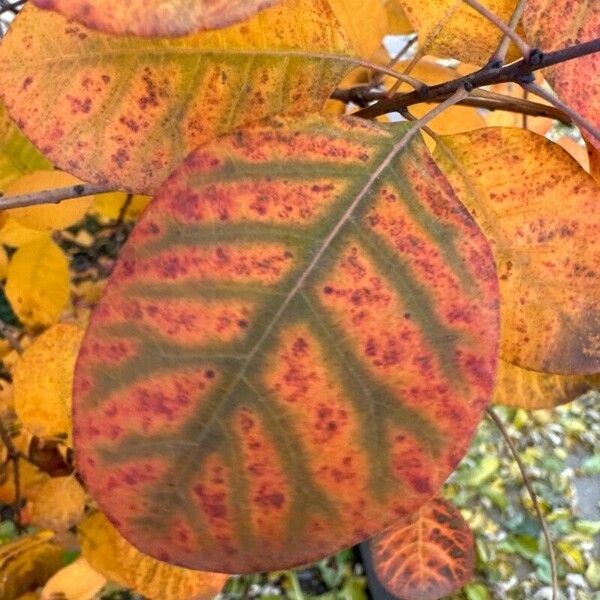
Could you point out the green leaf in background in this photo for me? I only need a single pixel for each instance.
(476, 591)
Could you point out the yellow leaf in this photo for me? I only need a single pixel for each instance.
(451, 28)
(30, 480)
(113, 556)
(43, 379)
(398, 23)
(46, 217)
(109, 206)
(135, 107)
(58, 504)
(27, 563)
(12, 233)
(532, 390)
(37, 282)
(3, 263)
(78, 581)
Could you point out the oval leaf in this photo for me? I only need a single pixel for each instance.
(114, 557)
(37, 282)
(426, 556)
(531, 390)
(450, 28)
(156, 18)
(43, 380)
(134, 108)
(540, 211)
(555, 24)
(293, 351)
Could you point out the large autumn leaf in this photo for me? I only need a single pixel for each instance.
(156, 17)
(540, 211)
(555, 24)
(451, 28)
(128, 110)
(427, 555)
(293, 351)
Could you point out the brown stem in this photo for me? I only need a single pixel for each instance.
(378, 77)
(508, 31)
(55, 196)
(573, 114)
(518, 72)
(362, 95)
(11, 338)
(498, 422)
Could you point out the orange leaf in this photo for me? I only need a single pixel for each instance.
(127, 111)
(156, 17)
(540, 211)
(427, 555)
(294, 348)
(554, 24)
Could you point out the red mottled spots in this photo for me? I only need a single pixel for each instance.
(187, 322)
(273, 199)
(248, 263)
(269, 487)
(156, 405)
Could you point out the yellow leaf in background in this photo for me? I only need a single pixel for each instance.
(452, 29)
(398, 23)
(12, 233)
(455, 119)
(27, 563)
(78, 581)
(43, 379)
(37, 282)
(533, 390)
(113, 556)
(109, 206)
(58, 504)
(46, 217)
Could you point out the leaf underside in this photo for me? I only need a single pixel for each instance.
(156, 18)
(126, 111)
(428, 555)
(293, 351)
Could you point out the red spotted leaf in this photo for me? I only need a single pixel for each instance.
(156, 17)
(427, 555)
(555, 24)
(293, 351)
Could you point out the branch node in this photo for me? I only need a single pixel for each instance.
(535, 58)
(526, 79)
(469, 87)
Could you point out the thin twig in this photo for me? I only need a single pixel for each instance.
(521, 44)
(573, 114)
(518, 72)
(498, 422)
(378, 77)
(55, 196)
(497, 59)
